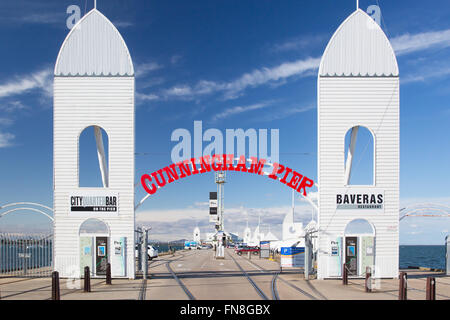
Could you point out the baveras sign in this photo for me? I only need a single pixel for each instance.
(361, 199)
(158, 179)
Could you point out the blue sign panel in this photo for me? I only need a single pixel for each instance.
(293, 257)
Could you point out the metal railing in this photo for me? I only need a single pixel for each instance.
(26, 255)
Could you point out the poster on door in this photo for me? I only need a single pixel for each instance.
(118, 256)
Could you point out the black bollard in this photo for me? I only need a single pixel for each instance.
(344, 275)
(368, 280)
(108, 273)
(431, 288)
(55, 286)
(403, 286)
(87, 279)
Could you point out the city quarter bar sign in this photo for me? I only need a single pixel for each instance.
(94, 203)
(224, 162)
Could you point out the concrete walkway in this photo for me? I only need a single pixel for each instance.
(205, 278)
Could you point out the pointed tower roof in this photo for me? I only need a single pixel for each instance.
(94, 47)
(359, 47)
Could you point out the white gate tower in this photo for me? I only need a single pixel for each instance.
(358, 86)
(94, 88)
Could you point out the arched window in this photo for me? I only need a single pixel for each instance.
(359, 227)
(94, 226)
(359, 157)
(93, 158)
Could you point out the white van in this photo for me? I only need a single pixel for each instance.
(152, 252)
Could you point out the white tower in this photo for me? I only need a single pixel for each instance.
(94, 87)
(358, 86)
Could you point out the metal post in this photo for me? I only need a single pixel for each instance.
(431, 288)
(344, 275)
(108, 273)
(368, 279)
(403, 286)
(55, 286)
(87, 279)
(249, 255)
(145, 254)
(308, 255)
(139, 249)
(24, 250)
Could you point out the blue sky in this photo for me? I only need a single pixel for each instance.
(232, 64)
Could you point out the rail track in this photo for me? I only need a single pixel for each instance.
(143, 289)
(257, 289)
(276, 277)
(180, 283)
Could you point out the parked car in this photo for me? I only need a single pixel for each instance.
(152, 252)
(240, 251)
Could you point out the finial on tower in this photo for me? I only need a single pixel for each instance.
(357, 4)
(95, 4)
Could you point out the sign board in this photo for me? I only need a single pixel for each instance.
(292, 257)
(213, 203)
(24, 255)
(367, 200)
(335, 257)
(99, 203)
(264, 247)
(118, 256)
(213, 217)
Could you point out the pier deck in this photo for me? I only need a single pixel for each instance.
(197, 275)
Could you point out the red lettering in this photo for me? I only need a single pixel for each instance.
(295, 180)
(153, 188)
(206, 167)
(257, 168)
(194, 167)
(216, 166)
(242, 164)
(229, 161)
(171, 173)
(306, 183)
(184, 168)
(155, 175)
(277, 169)
(288, 170)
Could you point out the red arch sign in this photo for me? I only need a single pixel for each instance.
(223, 162)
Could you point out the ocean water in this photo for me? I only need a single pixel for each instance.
(422, 256)
(415, 256)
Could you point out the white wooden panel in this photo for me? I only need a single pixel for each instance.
(372, 102)
(80, 102)
(94, 47)
(359, 48)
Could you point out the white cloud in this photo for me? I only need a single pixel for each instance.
(240, 109)
(426, 74)
(42, 80)
(409, 43)
(6, 139)
(257, 77)
(170, 224)
(12, 106)
(175, 59)
(146, 97)
(144, 68)
(6, 122)
(284, 113)
(123, 24)
(298, 43)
